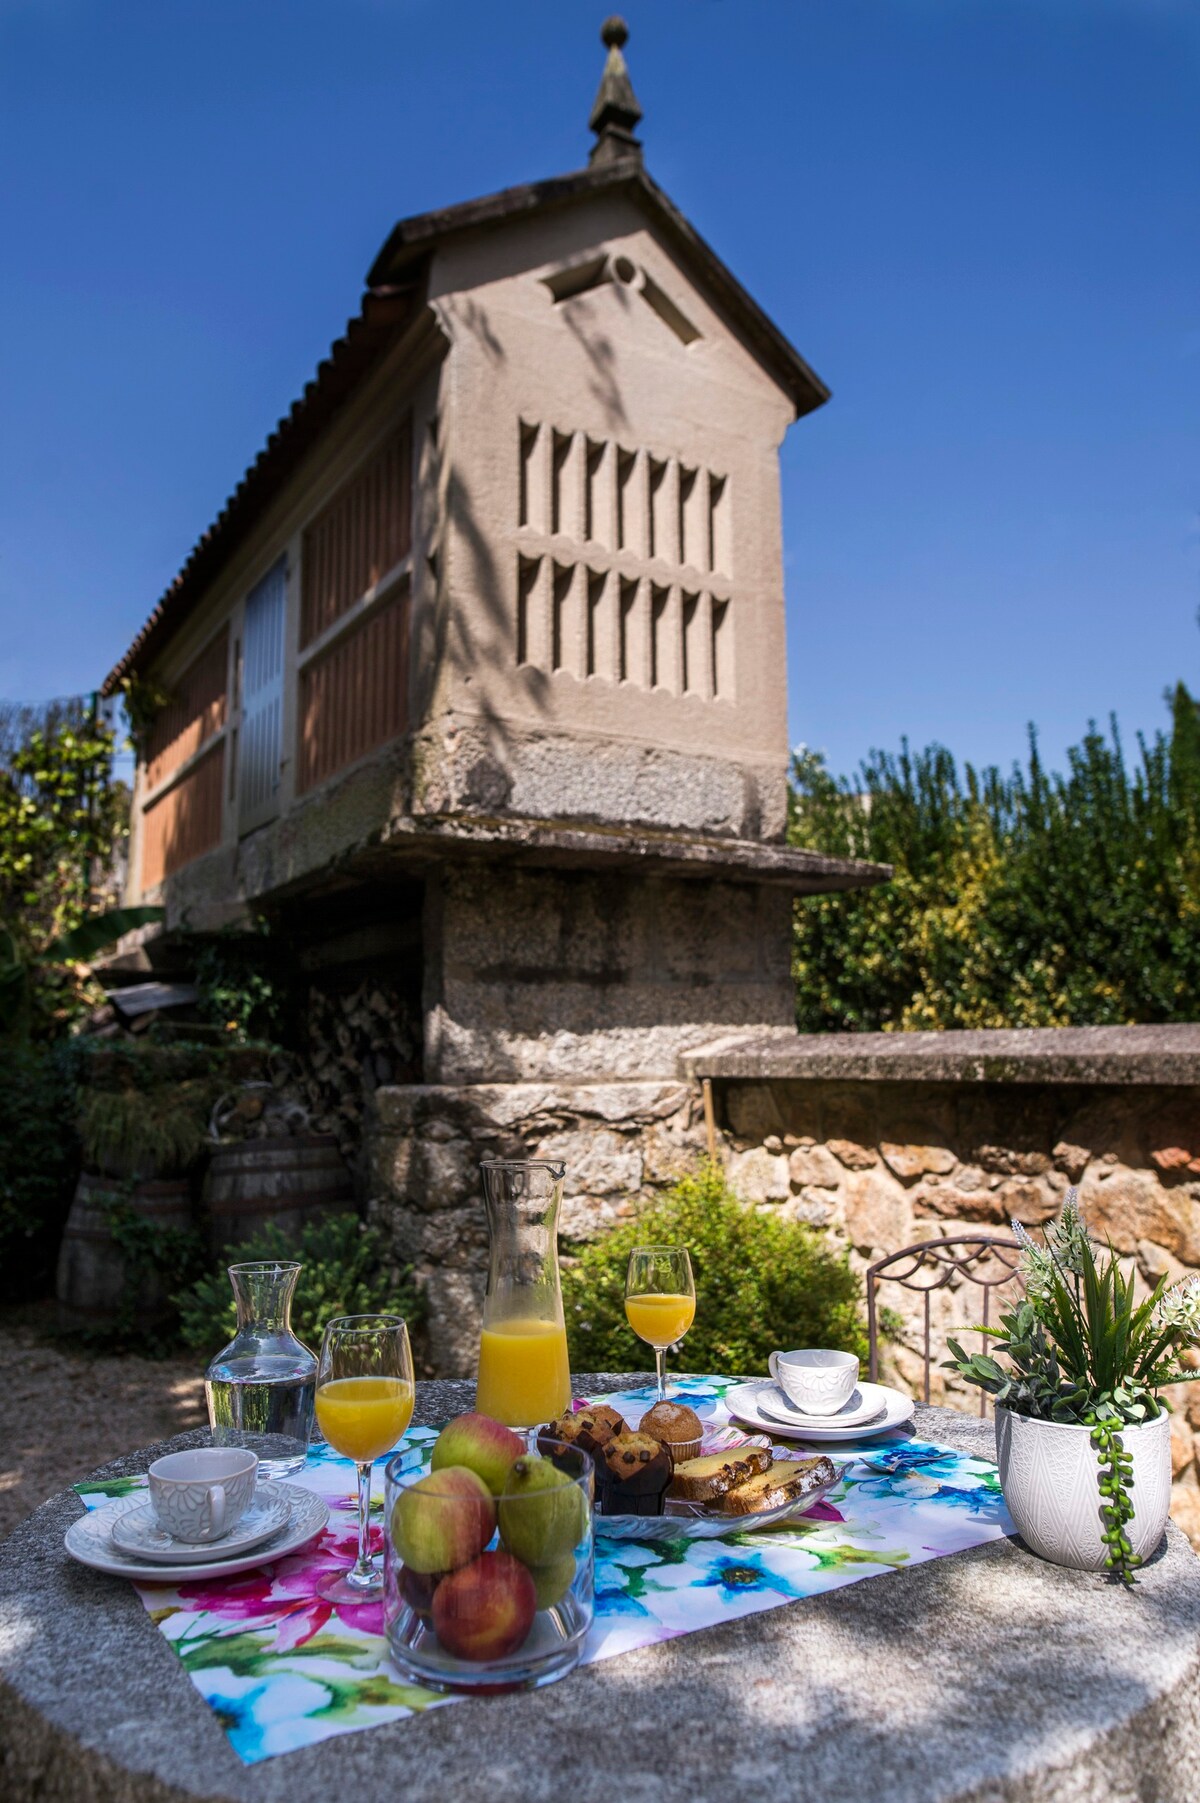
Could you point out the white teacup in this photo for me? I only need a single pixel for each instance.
(818, 1382)
(201, 1494)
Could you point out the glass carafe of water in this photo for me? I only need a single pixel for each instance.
(524, 1378)
(260, 1387)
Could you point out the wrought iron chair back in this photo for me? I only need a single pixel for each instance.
(943, 1259)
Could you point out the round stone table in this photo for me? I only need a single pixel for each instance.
(986, 1675)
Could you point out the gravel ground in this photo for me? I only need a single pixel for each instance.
(63, 1411)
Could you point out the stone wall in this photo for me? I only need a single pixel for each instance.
(881, 1165)
(876, 1162)
(617, 1140)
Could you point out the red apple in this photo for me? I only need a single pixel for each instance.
(484, 1446)
(444, 1520)
(485, 1610)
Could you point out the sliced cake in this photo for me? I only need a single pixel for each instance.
(712, 1474)
(785, 1481)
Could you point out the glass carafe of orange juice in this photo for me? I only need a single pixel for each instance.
(523, 1374)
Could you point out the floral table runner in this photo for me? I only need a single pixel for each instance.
(282, 1669)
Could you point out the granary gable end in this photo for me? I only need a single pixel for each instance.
(496, 623)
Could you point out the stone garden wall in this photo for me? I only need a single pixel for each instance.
(865, 1139)
(617, 1140)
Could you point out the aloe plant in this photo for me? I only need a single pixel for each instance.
(1079, 1349)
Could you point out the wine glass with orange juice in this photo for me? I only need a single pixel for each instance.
(660, 1300)
(364, 1405)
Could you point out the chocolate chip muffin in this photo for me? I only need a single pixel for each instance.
(590, 1430)
(632, 1475)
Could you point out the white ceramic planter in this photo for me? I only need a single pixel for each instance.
(1049, 1478)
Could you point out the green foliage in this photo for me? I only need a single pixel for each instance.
(761, 1283)
(145, 1108)
(158, 1262)
(1080, 1350)
(39, 1163)
(143, 701)
(242, 990)
(158, 1131)
(1030, 900)
(92, 935)
(60, 817)
(344, 1274)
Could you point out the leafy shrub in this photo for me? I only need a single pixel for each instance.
(158, 1130)
(242, 985)
(344, 1274)
(39, 1162)
(761, 1284)
(1020, 900)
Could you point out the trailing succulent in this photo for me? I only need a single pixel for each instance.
(1080, 1350)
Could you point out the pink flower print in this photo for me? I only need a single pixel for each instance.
(283, 1595)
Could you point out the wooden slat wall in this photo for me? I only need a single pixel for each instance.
(354, 696)
(360, 536)
(195, 713)
(186, 821)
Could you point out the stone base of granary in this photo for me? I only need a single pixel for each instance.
(618, 1140)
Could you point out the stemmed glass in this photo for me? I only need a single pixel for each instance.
(660, 1300)
(364, 1405)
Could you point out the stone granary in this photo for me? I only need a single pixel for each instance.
(479, 678)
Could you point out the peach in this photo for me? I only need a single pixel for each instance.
(482, 1445)
(485, 1609)
(444, 1520)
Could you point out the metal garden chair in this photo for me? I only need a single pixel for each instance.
(988, 1262)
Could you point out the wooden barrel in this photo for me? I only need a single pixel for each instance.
(92, 1280)
(284, 1183)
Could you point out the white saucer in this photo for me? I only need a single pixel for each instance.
(860, 1408)
(138, 1531)
(743, 1402)
(90, 1541)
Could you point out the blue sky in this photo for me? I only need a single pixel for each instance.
(977, 219)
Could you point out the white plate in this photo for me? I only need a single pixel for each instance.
(90, 1541)
(693, 1521)
(137, 1531)
(742, 1401)
(866, 1403)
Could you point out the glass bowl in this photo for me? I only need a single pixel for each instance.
(485, 1594)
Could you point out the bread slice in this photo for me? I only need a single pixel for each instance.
(713, 1473)
(786, 1481)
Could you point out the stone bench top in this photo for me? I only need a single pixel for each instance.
(1167, 1055)
(987, 1675)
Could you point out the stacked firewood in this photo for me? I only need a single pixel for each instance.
(357, 1040)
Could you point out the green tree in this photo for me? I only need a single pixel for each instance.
(61, 815)
(1023, 900)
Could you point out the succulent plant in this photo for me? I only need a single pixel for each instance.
(1079, 1349)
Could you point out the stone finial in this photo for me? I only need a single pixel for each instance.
(616, 110)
